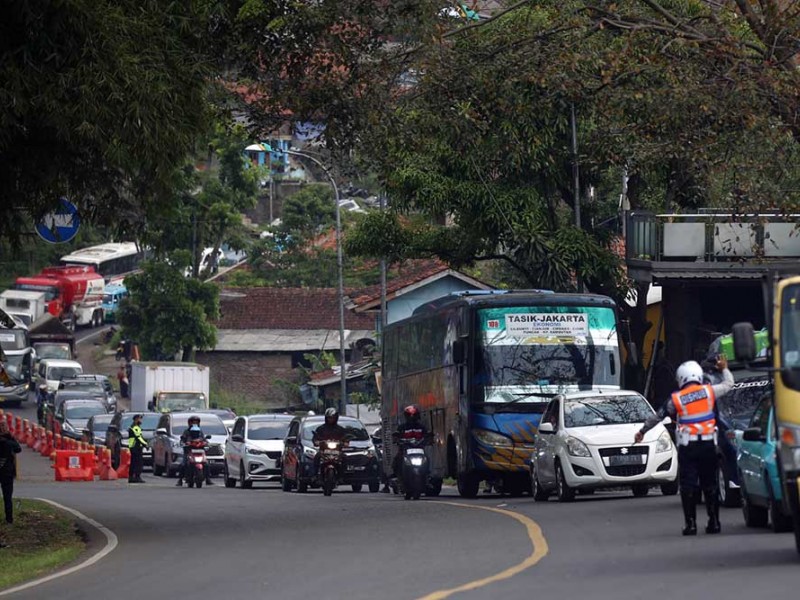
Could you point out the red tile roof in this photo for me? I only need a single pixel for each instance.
(286, 308)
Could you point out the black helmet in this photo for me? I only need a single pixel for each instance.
(331, 416)
(194, 419)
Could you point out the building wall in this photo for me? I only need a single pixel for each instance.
(249, 375)
(402, 306)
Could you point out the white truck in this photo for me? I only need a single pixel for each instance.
(168, 386)
(24, 305)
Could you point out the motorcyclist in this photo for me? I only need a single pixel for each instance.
(329, 430)
(411, 429)
(190, 434)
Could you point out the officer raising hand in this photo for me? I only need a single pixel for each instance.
(694, 407)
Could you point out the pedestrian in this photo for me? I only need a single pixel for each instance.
(694, 406)
(9, 448)
(137, 444)
(122, 376)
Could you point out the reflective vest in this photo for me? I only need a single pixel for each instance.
(694, 407)
(135, 435)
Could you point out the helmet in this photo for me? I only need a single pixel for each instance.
(411, 412)
(194, 420)
(331, 416)
(689, 372)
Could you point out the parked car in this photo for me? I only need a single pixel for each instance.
(762, 497)
(585, 442)
(96, 428)
(166, 443)
(226, 414)
(105, 382)
(117, 434)
(74, 415)
(297, 462)
(735, 411)
(254, 451)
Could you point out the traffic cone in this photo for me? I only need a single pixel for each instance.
(123, 470)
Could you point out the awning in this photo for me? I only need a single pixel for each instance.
(286, 340)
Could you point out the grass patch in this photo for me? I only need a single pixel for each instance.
(41, 539)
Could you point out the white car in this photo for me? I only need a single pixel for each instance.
(52, 370)
(585, 442)
(254, 449)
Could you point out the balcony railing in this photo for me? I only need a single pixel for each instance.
(711, 236)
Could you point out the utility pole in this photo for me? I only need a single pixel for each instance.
(576, 181)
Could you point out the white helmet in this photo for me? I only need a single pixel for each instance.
(689, 372)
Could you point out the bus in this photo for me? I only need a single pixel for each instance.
(482, 366)
(114, 261)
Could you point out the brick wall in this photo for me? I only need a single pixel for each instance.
(248, 374)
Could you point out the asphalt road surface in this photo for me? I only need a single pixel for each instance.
(265, 543)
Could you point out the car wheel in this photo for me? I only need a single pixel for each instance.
(356, 487)
(754, 516)
(640, 490)
(780, 522)
(468, 484)
(244, 483)
(565, 493)
(230, 482)
(537, 491)
(728, 496)
(669, 489)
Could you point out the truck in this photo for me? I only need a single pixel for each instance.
(50, 338)
(113, 294)
(73, 294)
(24, 305)
(169, 386)
(17, 361)
(782, 301)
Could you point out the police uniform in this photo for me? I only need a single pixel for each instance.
(137, 444)
(694, 408)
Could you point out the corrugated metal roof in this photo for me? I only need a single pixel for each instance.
(285, 340)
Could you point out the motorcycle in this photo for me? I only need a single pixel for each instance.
(331, 453)
(415, 469)
(196, 463)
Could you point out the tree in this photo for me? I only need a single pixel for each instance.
(100, 100)
(168, 313)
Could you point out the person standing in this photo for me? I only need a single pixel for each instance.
(137, 444)
(122, 377)
(9, 448)
(694, 406)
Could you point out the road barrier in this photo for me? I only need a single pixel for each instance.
(72, 465)
(123, 470)
(106, 472)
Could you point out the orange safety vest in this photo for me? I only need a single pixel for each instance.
(694, 407)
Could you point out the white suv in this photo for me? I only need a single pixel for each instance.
(585, 442)
(254, 449)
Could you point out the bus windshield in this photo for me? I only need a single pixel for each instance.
(527, 350)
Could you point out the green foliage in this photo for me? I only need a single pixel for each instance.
(168, 313)
(307, 213)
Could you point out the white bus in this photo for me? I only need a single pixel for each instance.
(114, 261)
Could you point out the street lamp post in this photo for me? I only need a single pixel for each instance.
(340, 267)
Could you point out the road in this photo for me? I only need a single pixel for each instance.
(233, 543)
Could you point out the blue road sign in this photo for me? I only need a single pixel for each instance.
(61, 225)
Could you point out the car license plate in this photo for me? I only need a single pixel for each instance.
(354, 468)
(415, 451)
(625, 459)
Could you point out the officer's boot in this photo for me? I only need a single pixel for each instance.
(689, 512)
(712, 508)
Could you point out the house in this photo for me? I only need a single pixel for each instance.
(265, 333)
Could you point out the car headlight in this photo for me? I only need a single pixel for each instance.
(575, 447)
(492, 438)
(664, 443)
(255, 451)
(176, 444)
(789, 447)
(310, 452)
(68, 427)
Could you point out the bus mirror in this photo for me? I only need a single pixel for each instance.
(459, 352)
(744, 342)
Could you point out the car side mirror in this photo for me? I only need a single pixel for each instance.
(237, 438)
(753, 434)
(744, 342)
(161, 431)
(666, 421)
(208, 437)
(546, 427)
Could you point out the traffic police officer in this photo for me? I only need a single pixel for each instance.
(137, 444)
(694, 407)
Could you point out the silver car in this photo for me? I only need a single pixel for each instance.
(168, 450)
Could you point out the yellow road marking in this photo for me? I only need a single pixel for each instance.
(538, 542)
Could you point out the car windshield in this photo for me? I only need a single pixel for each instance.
(741, 402)
(608, 410)
(149, 422)
(52, 351)
(62, 372)
(85, 386)
(84, 411)
(212, 425)
(267, 430)
(100, 423)
(354, 430)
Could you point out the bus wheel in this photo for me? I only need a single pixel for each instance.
(468, 484)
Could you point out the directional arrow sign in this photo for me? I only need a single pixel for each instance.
(61, 225)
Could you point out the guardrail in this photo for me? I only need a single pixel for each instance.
(711, 236)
